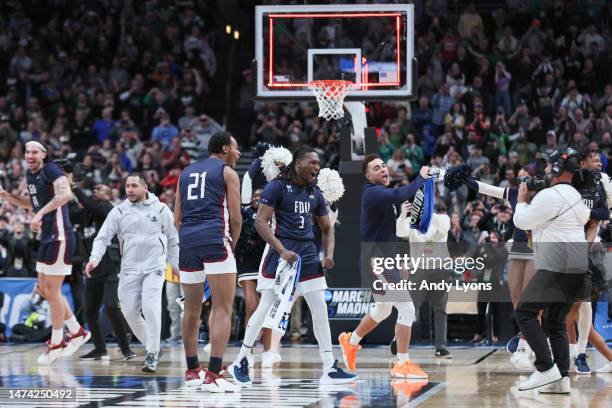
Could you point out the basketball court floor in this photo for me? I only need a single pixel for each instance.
(476, 377)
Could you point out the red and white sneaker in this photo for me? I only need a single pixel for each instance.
(217, 383)
(75, 341)
(195, 378)
(53, 352)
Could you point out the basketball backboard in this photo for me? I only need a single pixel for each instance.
(370, 45)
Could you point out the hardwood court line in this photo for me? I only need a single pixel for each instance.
(481, 359)
(427, 394)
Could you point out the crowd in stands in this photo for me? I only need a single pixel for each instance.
(125, 85)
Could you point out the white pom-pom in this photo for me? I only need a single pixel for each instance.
(331, 185)
(270, 159)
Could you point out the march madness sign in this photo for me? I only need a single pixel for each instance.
(348, 303)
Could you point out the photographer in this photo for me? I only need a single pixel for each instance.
(556, 218)
(102, 282)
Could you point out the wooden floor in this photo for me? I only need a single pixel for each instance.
(476, 377)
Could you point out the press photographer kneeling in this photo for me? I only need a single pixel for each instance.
(556, 217)
(101, 284)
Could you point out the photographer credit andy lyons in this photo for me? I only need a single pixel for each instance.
(410, 265)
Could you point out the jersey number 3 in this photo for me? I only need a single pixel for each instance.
(200, 179)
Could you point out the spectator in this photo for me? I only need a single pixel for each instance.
(165, 131)
(102, 127)
(469, 21)
(400, 169)
(442, 103)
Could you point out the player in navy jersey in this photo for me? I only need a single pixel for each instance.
(49, 193)
(290, 202)
(378, 225)
(207, 216)
(594, 196)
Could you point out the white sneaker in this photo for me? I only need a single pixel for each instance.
(538, 379)
(558, 387)
(522, 359)
(53, 352)
(606, 368)
(269, 358)
(75, 341)
(217, 383)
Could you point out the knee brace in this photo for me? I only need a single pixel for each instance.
(381, 311)
(405, 313)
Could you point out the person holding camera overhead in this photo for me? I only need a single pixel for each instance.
(102, 282)
(49, 193)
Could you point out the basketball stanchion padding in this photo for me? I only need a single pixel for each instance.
(330, 96)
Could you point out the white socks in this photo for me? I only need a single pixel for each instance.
(355, 339)
(522, 344)
(585, 316)
(402, 358)
(57, 335)
(73, 325)
(256, 321)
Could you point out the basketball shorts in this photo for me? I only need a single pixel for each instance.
(55, 258)
(519, 250)
(197, 262)
(312, 277)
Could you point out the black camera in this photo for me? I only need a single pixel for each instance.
(585, 181)
(72, 166)
(533, 183)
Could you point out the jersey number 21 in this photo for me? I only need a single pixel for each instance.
(200, 179)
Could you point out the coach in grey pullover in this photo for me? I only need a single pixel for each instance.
(147, 240)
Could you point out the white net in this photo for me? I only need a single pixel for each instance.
(330, 96)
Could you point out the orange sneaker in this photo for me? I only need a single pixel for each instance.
(349, 351)
(408, 370)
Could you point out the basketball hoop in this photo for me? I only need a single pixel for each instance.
(330, 96)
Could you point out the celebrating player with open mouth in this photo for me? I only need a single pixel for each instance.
(378, 225)
(292, 200)
(49, 193)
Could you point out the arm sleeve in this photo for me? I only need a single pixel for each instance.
(96, 207)
(383, 195)
(541, 209)
(272, 194)
(172, 235)
(105, 235)
(493, 191)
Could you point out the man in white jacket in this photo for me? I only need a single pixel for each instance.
(147, 240)
(432, 244)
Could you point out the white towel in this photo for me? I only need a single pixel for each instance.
(287, 277)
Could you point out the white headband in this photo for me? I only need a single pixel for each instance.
(37, 144)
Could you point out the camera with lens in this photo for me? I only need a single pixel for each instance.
(533, 183)
(72, 166)
(585, 181)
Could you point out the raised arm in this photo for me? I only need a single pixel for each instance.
(16, 200)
